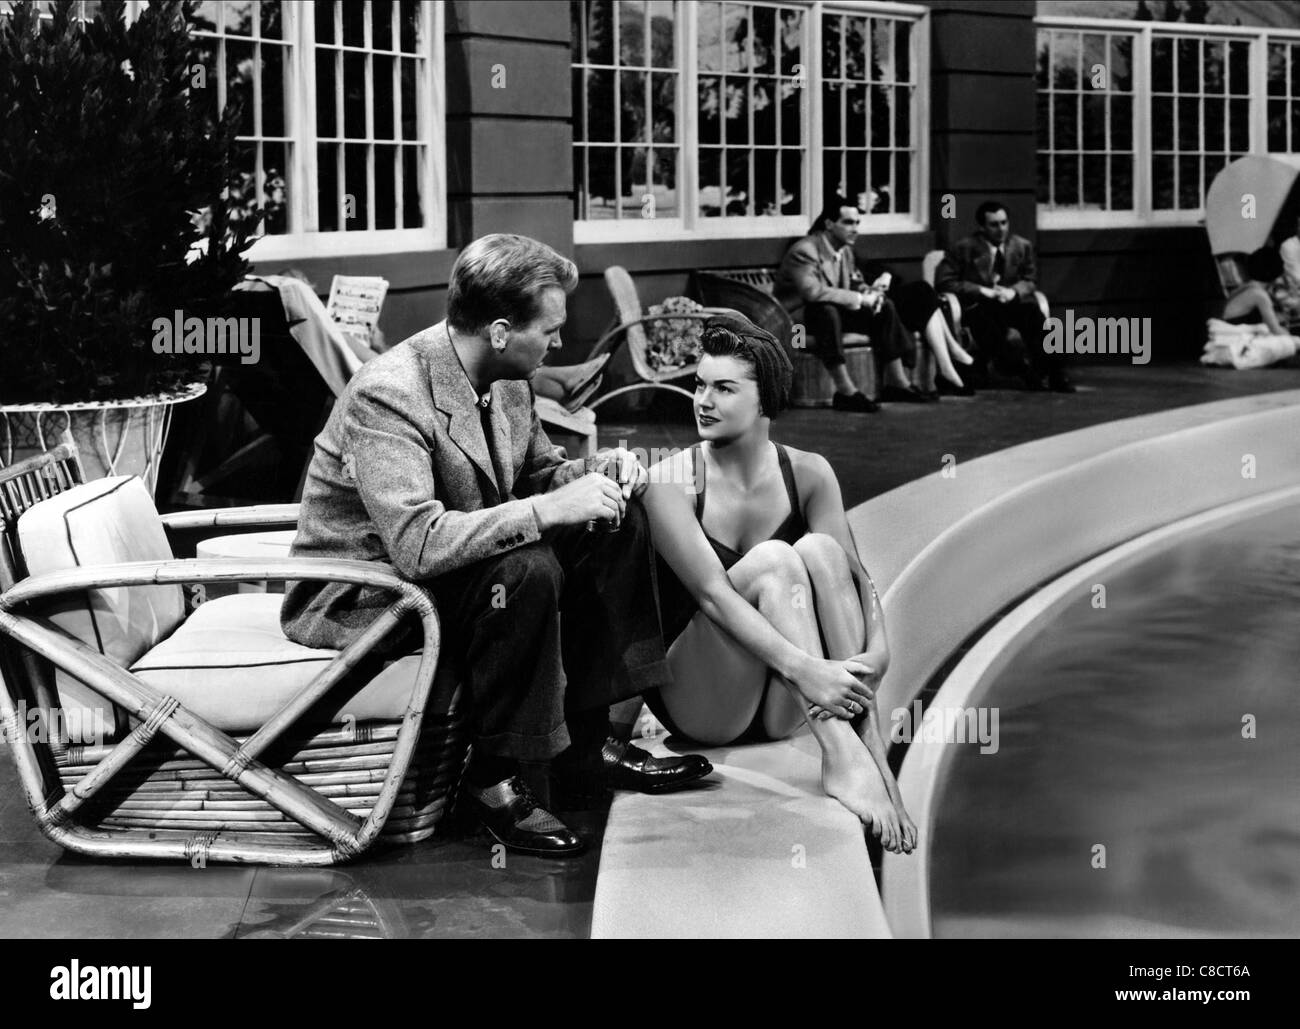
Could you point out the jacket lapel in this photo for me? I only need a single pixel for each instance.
(454, 396)
(829, 262)
(502, 438)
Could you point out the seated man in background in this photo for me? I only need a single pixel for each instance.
(993, 274)
(434, 462)
(819, 284)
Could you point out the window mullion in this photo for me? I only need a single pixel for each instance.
(1142, 141)
(812, 111)
(301, 27)
(688, 113)
(1258, 99)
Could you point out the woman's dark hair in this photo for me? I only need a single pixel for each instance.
(1264, 265)
(729, 335)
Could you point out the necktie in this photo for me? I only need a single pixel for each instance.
(999, 266)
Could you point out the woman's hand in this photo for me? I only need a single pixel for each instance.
(835, 689)
(873, 664)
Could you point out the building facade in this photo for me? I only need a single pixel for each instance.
(668, 136)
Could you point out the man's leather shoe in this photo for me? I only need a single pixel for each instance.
(510, 812)
(901, 395)
(631, 768)
(859, 402)
(1060, 383)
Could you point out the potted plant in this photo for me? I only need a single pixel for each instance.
(121, 202)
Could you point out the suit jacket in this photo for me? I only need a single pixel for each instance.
(402, 475)
(810, 273)
(968, 265)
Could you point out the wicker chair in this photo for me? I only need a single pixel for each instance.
(223, 741)
(631, 328)
(751, 292)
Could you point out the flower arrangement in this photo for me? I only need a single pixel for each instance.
(674, 342)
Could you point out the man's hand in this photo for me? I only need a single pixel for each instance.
(627, 470)
(1005, 294)
(872, 299)
(594, 496)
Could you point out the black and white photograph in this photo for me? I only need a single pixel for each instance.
(650, 469)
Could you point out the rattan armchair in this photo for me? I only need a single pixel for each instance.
(182, 775)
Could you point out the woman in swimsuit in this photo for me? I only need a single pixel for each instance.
(757, 568)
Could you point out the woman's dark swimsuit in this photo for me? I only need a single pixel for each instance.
(677, 607)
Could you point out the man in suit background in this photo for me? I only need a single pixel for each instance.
(994, 275)
(434, 462)
(819, 284)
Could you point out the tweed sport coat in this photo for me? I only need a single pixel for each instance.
(968, 265)
(810, 273)
(402, 475)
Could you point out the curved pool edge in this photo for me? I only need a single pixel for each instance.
(905, 880)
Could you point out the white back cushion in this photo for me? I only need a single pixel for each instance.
(107, 521)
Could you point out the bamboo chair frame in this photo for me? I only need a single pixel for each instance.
(175, 786)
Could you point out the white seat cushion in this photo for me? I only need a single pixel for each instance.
(231, 664)
(106, 521)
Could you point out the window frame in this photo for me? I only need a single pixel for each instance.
(1143, 213)
(690, 225)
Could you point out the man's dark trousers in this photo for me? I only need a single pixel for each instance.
(827, 324)
(989, 322)
(557, 629)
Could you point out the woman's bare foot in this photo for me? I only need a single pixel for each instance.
(873, 740)
(851, 777)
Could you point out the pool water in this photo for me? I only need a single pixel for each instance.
(1122, 728)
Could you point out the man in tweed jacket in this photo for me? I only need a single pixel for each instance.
(435, 463)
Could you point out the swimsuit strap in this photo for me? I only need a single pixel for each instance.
(787, 473)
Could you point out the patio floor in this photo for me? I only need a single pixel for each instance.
(449, 887)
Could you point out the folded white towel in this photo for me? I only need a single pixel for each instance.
(1253, 351)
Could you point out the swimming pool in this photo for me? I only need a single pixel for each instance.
(1123, 728)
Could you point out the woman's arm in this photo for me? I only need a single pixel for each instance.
(680, 541)
(824, 512)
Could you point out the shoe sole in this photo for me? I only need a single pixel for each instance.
(669, 787)
(515, 848)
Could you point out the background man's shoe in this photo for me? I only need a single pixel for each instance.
(631, 768)
(512, 815)
(859, 402)
(1060, 383)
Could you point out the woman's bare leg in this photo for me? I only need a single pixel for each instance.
(717, 686)
(937, 339)
(1253, 299)
(954, 347)
(839, 612)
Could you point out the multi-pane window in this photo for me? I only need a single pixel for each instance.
(1200, 115)
(244, 53)
(1085, 120)
(340, 118)
(868, 84)
(1284, 97)
(1135, 121)
(369, 66)
(751, 131)
(626, 85)
(706, 116)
